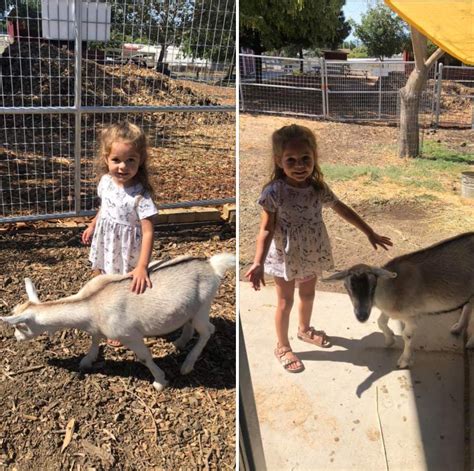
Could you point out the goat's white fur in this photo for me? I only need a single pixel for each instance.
(437, 279)
(182, 293)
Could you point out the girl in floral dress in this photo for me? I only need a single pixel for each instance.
(122, 231)
(293, 244)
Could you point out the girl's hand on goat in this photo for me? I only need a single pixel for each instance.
(255, 276)
(87, 234)
(141, 280)
(376, 239)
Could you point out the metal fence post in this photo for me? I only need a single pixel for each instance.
(438, 93)
(380, 87)
(241, 91)
(77, 103)
(326, 88)
(323, 86)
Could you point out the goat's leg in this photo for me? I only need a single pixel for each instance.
(187, 333)
(91, 355)
(406, 359)
(205, 329)
(382, 321)
(137, 345)
(463, 321)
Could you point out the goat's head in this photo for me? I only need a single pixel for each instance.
(23, 318)
(360, 282)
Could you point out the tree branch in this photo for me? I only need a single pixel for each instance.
(434, 57)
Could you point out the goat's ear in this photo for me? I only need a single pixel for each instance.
(31, 291)
(14, 320)
(384, 273)
(340, 275)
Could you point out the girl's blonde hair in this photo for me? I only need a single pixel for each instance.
(133, 135)
(281, 138)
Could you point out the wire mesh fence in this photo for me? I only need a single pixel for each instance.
(168, 66)
(455, 97)
(355, 90)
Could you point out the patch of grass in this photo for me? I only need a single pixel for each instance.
(416, 173)
(439, 153)
(435, 168)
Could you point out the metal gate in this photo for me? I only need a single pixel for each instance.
(354, 90)
(167, 66)
(282, 85)
(455, 96)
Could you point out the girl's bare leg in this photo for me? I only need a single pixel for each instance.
(305, 308)
(285, 293)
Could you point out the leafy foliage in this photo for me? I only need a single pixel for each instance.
(382, 32)
(219, 21)
(273, 24)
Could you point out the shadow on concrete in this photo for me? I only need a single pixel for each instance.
(367, 352)
(436, 381)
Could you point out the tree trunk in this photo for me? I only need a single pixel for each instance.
(162, 54)
(410, 94)
(408, 144)
(301, 61)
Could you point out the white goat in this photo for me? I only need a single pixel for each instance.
(181, 296)
(435, 280)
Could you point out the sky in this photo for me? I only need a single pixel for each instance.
(354, 9)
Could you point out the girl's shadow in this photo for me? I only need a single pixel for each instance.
(370, 352)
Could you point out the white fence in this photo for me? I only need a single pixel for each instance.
(56, 95)
(351, 90)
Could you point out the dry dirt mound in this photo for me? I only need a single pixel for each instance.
(116, 419)
(41, 74)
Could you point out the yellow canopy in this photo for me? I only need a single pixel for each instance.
(448, 23)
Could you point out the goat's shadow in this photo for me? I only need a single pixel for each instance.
(369, 351)
(215, 367)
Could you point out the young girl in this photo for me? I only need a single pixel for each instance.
(122, 230)
(293, 243)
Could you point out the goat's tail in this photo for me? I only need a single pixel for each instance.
(222, 262)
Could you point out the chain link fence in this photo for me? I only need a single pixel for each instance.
(168, 66)
(355, 90)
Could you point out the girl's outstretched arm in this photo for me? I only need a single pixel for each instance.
(141, 280)
(351, 216)
(89, 232)
(265, 235)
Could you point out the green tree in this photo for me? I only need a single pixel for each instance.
(300, 24)
(342, 31)
(155, 22)
(382, 32)
(212, 34)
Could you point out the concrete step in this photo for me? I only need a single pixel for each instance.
(352, 408)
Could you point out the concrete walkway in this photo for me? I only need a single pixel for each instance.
(351, 409)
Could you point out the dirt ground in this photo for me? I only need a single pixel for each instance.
(112, 416)
(413, 218)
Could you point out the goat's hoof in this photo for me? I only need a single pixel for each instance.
(186, 369)
(456, 328)
(403, 364)
(470, 343)
(178, 345)
(389, 341)
(160, 386)
(85, 364)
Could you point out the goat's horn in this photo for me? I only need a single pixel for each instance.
(31, 291)
(384, 273)
(336, 276)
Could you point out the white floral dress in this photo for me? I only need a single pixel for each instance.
(117, 237)
(300, 248)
